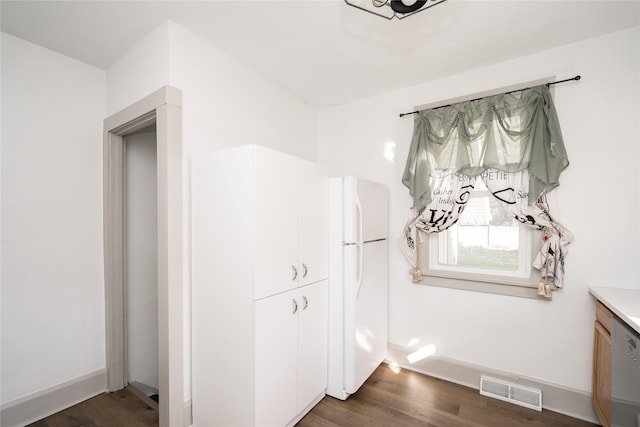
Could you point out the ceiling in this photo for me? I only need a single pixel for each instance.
(325, 52)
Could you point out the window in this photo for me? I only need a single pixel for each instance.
(456, 234)
(487, 243)
(486, 250)
(487, 240)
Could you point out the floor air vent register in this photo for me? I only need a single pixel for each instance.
(513, 393)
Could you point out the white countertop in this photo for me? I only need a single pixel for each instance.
(625, 303)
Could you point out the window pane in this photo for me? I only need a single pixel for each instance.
(486, 236)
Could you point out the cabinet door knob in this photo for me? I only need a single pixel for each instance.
(304, 270)
(295, 272)
(306, 302)
(295, 305)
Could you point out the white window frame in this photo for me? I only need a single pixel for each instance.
(522, 282)
(438, 249)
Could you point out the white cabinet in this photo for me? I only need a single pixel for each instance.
(312, 342)
(291, 199)
(259, 249)
(313, 223)
(291, 347)
(276, 221)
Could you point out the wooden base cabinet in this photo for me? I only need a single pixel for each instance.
(259, 287)
(601, 395)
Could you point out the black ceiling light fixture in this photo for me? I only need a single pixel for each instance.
(393, 8)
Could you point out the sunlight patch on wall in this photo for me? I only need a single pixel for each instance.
(421, 353)
(390, 151)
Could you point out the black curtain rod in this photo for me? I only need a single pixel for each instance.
(513, 91)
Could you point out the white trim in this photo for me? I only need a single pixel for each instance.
(165, 95)
(522, 291)
(557, 398)
(500, 285)
(163, 106)
(114, 260)
(41, 404)
(437, 253)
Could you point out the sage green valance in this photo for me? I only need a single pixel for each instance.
(511, 132)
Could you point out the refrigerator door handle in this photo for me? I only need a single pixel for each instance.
(360, 261)
(359, 246)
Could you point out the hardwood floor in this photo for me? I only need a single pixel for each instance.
(387, 399)
(411, 399)
(126, 408)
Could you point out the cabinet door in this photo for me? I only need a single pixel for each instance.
(276, 216)
(312, 342)
(276, 339)
(602, 374)
(313, 229)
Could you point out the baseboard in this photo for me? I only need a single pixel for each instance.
(556, 398)
(144, 396)
(41, 404)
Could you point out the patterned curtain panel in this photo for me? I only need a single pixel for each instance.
(450, 194)
(510, 141)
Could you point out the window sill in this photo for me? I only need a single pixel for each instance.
(526, 288)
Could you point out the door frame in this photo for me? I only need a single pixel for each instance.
(164, 107)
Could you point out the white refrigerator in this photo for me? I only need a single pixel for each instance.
(358, 282)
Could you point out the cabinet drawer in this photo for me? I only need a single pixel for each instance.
(604, 315)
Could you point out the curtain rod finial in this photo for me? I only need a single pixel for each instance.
(407, 114)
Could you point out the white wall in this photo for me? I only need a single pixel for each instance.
(224, 104)
(52, 277)
(53, 108)
(143, 69)
(598, 200)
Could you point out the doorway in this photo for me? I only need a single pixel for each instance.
(162, 107)
(141, 261)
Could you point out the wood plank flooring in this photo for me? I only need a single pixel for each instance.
(411, 399)
(387, 399)
(124, 408)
